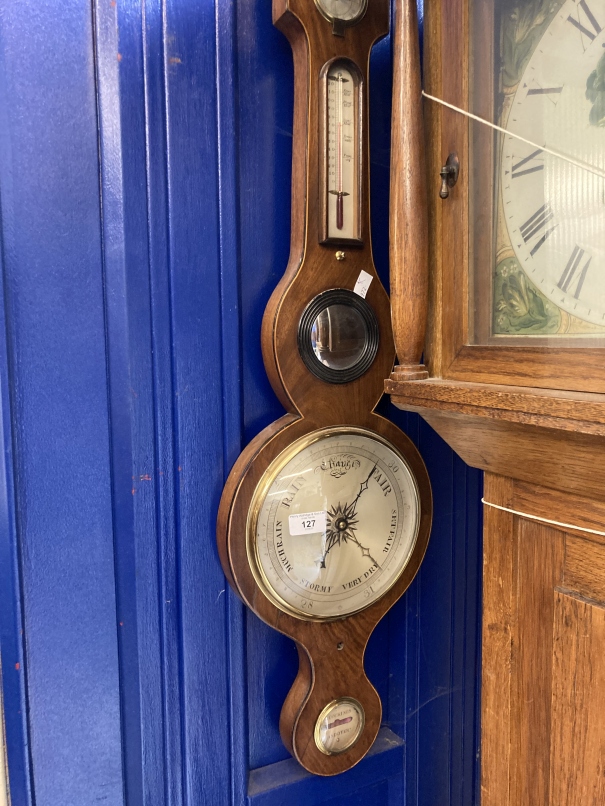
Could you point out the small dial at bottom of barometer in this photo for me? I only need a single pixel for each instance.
(339, 726)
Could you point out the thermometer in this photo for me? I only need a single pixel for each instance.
(341, 147)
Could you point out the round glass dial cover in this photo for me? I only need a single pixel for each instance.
(554, 209)
(345, 10)
(339, 726)
(333, 523)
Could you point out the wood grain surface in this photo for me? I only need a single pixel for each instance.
(577, 760)
(499, 568)
(543, 650)
(313, 267)
(563, 460)
(408, 216)
(550, 408)
(325, 673)
(585, 566)
(539, 569)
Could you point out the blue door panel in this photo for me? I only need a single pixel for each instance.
(145, 153)
(192, 212)
(53, 280)
(372, 794)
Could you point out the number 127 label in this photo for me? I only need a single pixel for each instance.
(307, 523)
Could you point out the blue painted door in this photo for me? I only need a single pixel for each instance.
(145, 150)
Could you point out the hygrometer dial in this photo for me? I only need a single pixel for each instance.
(339, 726)
(333, 524)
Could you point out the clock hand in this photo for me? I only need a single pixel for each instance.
(346, 517)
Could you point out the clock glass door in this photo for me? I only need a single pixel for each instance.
(537, 176)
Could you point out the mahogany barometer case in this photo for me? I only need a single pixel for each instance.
(326, 515)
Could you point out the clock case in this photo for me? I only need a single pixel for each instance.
(533, 418)
(448, 350)
(557, 388)
(330, 652)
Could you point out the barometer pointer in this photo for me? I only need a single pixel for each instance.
(348, 533)
(364, 486)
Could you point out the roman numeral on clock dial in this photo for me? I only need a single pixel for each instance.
(525, 166)
(590, 20)
(572, 272)
(544, 91)
(536, 226)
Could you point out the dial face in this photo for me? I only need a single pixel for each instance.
(339, 726)
(333, 523)
(344, 10)
(343, 157)
(554, 209)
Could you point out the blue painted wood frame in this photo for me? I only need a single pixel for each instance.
(145, 151)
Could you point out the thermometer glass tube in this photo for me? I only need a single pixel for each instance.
(342, 153)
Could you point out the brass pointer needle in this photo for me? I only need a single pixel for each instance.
(343, 518)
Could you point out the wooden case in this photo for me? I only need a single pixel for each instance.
(533, 418)
(331, 651)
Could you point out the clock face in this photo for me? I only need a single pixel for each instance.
(343, 10)
(333, 523)
(554, 210)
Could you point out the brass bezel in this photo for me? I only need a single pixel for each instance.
(338, 21)
(260, 493)
(334, 704)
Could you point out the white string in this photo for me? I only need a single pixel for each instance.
(543, 520)
(585, 166)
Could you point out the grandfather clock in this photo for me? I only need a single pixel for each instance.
(510, 287)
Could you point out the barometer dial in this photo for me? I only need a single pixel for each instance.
(333, 524)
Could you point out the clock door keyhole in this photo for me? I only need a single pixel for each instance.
(449, 175)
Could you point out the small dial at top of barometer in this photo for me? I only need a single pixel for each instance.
(345, 11)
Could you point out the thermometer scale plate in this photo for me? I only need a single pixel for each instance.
(340, 144)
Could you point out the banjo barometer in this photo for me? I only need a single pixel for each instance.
(326, 515)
